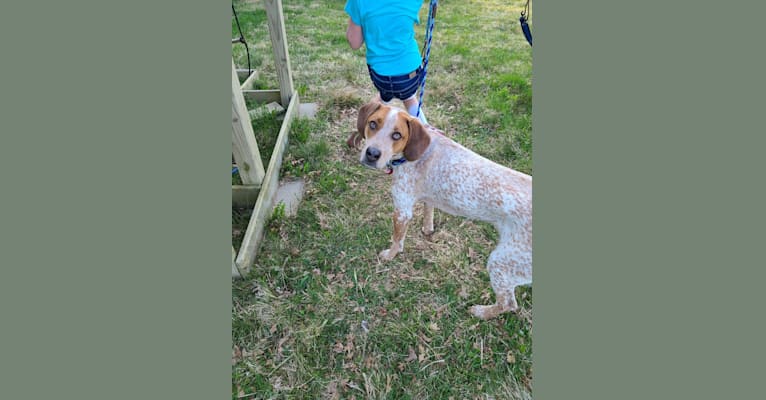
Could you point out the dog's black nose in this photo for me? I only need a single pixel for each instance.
(373, 154)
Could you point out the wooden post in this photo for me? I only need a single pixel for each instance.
(244, 146)
(264, 203)
(279, 44)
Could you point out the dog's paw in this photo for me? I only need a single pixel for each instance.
(427, 232)
(484, 312)
(489, 312)
(387, 255)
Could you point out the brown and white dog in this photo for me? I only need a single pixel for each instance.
(432, 168)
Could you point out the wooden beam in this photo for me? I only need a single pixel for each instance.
(279, 44)
(263, 96)
(244, 196)
(264, 203)
(244, 146)
(248, 83)
(234, 271)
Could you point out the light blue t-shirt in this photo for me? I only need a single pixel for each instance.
(389, 33)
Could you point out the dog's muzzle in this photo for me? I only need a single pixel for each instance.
(371, 156)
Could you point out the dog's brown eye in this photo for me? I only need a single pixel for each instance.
(396, 136)
(373, 125)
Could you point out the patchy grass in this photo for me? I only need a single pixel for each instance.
(320, 316)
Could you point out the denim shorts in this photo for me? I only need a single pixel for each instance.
(402, 86)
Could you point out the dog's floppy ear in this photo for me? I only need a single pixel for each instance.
(364, 113)
(418, 141)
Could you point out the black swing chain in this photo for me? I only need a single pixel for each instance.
(242, 40)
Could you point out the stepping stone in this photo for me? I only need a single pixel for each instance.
(291, 194)
(307, 110)
(272, 107)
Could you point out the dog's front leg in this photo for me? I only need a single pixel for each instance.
(401, 219)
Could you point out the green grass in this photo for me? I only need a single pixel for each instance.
(320, 316)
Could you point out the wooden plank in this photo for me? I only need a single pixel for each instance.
(244, 146)
(279, 44)
(263, 96)
(234, 271)
(248, 83)
(263, 205)
(244, 196)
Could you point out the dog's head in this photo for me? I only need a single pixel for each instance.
(390, 133)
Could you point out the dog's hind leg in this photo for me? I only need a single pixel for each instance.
(428, 219)
(507, 269)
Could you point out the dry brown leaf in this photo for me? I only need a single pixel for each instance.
(510, 358)
(236, 352)
(332, 391)
(323, 222)
(349, 345)
(422, 352)
(351, 366)
(338, 347)
(440, 310)
(471, 254)
(433, 326)
(412, 356)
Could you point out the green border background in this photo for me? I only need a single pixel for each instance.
(114, 266)
(649, 193)
(114, 165)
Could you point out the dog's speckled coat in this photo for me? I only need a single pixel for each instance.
(446, 175)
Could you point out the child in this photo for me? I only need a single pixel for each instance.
(393, 56)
